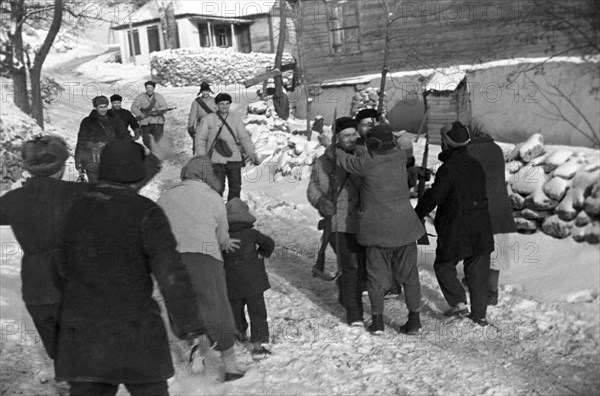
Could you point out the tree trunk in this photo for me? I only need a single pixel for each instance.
(35, 73)
(384, 70)
(298, 21)
(18, 70)
(280, 99)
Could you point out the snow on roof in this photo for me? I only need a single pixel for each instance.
(365, 78)
(212, 9)
(445, 80)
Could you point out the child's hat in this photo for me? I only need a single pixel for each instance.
(238, 212)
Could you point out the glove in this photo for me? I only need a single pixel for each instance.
(254, 159)
(325, 207)
(424, 173)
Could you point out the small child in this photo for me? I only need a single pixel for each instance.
(246, 276)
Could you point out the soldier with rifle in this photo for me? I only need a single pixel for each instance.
(335, 194)
(203, 104)
(149, 108)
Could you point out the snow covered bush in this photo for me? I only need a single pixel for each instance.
(185, 67)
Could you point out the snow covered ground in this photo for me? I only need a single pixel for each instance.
(539, 343)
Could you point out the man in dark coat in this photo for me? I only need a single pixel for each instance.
(36, 212)
(97, 129)
(388, 226)
(111, 330)
(462, 223)
(126, 116)
(483, 148)
(344, 222)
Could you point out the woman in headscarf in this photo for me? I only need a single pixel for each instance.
(199, 221)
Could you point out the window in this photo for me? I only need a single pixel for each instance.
(133, 39)
(153, 39)
(344, 29)
(223, 36)
(204, 37)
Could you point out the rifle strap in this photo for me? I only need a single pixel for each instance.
(150, 106)
(214, 142)
(237, 142)
(203, 104)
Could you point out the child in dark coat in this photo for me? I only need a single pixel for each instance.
(246, 275)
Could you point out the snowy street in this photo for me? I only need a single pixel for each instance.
(539, 343)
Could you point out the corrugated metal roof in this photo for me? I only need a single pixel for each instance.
(209, 9)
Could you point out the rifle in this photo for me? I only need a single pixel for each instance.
(318, 270)
(424, 239)
(155, 113)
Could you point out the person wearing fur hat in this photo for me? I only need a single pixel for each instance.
(203, 104)
(101, 126)
(199, 221)
(150, 107)
(388, 227)
(125, 115)
(111, 330)
(366, 119)
(36, 212)
(224, 128)
(247, 277)
(462, 223)
(341, 234)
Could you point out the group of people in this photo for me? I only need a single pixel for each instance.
(361, 187)
(92, 252)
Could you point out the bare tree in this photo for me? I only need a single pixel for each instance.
(280, 99)
(391, 17)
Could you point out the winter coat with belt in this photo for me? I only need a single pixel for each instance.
(245, 269)
(348, 185)
(94, 133)
(197, 112)
(207, 131)
(462, 220)
(36, 212)
(386, 217)
(143, 101)
(491, 158)
(111, 328)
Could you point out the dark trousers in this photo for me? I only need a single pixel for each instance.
(103, 389)
(477, 272)
(388, 265)
(193, 136)
(352, 262)
(233, 172)
(257, 311)
(156, 130)
(46, 319)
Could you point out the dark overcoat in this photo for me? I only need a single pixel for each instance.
(245, 268)
(111, 328)
(491, 158)
(94, 133)
(462, 220)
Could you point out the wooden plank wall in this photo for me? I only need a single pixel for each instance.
(428, 34)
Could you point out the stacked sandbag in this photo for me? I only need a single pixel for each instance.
(366, 97)
(287, 153)
(556, 191)
(218, 66)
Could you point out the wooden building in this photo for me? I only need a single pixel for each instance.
(446, 98)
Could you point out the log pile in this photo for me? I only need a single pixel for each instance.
(557, 192)
(366, 98)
